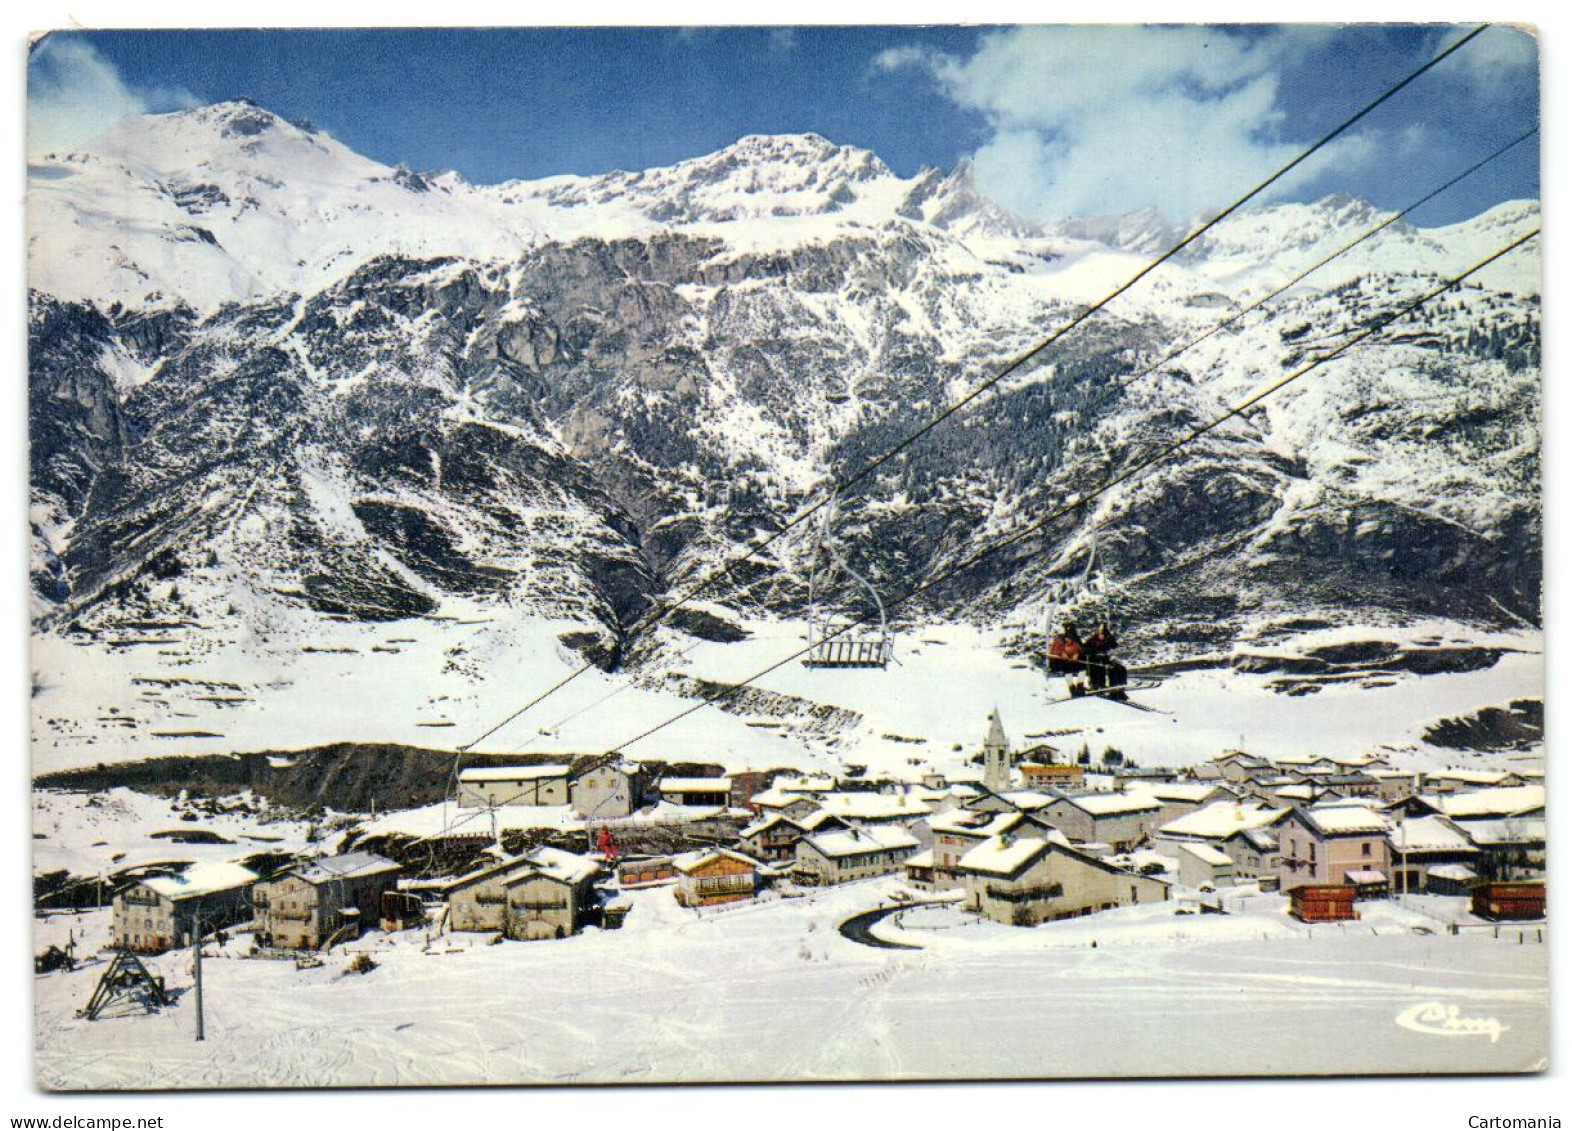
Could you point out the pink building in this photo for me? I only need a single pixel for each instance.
(1335, 844)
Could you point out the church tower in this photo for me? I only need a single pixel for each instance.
(996, 756)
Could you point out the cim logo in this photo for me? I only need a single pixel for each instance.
(1439, 1020)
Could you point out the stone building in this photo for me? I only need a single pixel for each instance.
(492, 786)
(546, 893)
(853, 854)
(1023, 881)
(309, 904)
(156, 914)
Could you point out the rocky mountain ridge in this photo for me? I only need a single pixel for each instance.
(273, 381)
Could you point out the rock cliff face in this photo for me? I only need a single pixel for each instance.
(270, 378)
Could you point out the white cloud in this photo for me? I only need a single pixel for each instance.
(1090, 120)
(74, 94)
(1501, 58)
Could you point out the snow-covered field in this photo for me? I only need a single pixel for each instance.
(90, 834)
(771, 991)
(441, 683)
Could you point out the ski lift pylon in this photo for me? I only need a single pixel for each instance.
(837, 643)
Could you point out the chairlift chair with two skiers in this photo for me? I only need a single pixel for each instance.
(1087, 664)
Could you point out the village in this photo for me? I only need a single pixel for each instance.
(1032, 837)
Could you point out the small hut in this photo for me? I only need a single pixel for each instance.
(1510, 901)
(1323, 903)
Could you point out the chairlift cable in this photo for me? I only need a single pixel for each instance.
(1160, 456)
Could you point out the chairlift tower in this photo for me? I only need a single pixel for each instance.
(126, 979)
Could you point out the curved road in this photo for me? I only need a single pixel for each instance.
(857, 928)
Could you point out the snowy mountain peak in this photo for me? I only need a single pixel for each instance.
(238, 117)
(756, 177)
(954, 202)
(1145, 231)
(231, 202)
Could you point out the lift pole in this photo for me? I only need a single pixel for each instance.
(196, 958)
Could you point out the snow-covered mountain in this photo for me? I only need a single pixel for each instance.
(274, 382)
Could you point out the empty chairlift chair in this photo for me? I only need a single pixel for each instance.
(843, 642)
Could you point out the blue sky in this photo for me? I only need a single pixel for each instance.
(1057, 120)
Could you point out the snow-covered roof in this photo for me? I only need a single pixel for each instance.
(512, 773)
(1365, 876)
(777, 798)
(1208, 854)
(564, 867)
(1261, 839)
(1360, 802)
(202, 879)
(805, 784)
(1460, 873)
(1343, 820)
(815, 820)
(1360, 760)
(1430, 834)
(872, 806)
(688, 861)
(1241, 757)
(1299, 792)
(1027, 799)
(1469, 777)
(857, 842)
(972, 823)
(768, 821)
(997, 857)
(923, 859)
(1503, 802)
(695, 785)
(346, 866)
(1112, 804)
(1222, 819)
(1506, 830)
(1176, 790)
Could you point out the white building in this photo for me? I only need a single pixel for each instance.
(156, 914)
(854, 854)
(606, 790)
(1122, 820)
(1023, 881)
(492, 786)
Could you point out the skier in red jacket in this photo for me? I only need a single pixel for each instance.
(1064, 651)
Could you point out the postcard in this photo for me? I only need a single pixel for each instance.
(674, 555)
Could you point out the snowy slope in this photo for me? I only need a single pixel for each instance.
(230, 202)
(771, 992)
